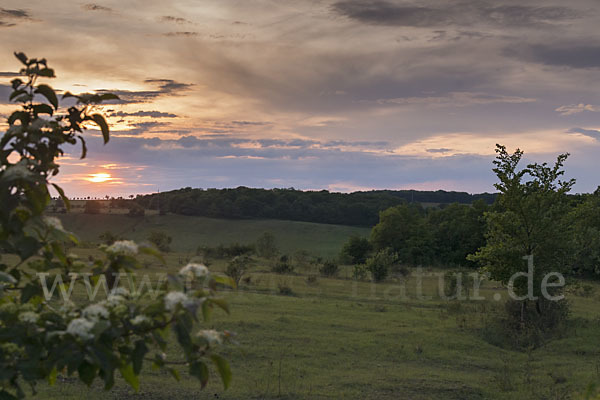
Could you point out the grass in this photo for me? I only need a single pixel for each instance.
(334, 338)
(189, 232)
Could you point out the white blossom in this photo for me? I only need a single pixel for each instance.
(140, 320)
(211, 336)
(174, 298)
(197, 270)
(53, 222)
(81, 327)
(120, 291)
(114, 300)
(125, 247)
(95, 311)
(28, 317)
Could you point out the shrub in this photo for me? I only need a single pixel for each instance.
(135, 210)
(311, 279)
(381, 263)
(360, 272)
(284, 288)
(356, 250)
(237, 267)
(452, 280)
(161, 240)
(108, 238)
(266, 246)
(329, 268)
(283, 266)
(221, 251)
(92, 207)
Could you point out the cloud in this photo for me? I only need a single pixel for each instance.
(9, 17)
(177, 20)
(576, 108)
(181, 34)
(9, 74)
(572, 55)
(593, 133)
(440, 150)
(166, 87)
(466, 13)
(457, 99)
(96, 7)
(153, 114)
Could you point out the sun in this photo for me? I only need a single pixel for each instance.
(99, 178)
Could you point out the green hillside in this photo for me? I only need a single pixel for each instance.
(188, 232)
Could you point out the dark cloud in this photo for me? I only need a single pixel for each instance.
(96, 7)
(593, 133)
(10, 17)
(440, 150)
(9, 74)
(166, 87)
(153, 114)
(181, 34)
(177, 20)
(249, 123)
(381, 12)
(563, 55)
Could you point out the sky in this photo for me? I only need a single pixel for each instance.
(338, 95)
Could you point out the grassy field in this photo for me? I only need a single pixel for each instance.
(189, 232)
(337, 338)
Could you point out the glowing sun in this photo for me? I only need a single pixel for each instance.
(99, 178)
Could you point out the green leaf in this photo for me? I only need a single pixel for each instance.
(4, 277)
(200, 371)
(23, 116)
(87, 372)
(109, 96)
(130, 376)
(15, 83)
(99, 119)
(48, 93)
(83, 147)
(139, 352)
(22, 57)
(43, 109)
(221, 303)
(16, 93)
(222, 368)
(64, 198)
(4, 395)
(47, 72)
(225, 280)
(52, 376)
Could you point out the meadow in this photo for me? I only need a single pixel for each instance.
(330, 338)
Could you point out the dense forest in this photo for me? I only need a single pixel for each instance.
(358, 208)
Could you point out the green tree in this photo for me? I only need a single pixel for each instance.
(266, 246)
(530, 218)
(161, 240)
(356, 250)
(381, 263)
(38, 337)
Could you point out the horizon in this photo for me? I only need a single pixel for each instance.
(341, 96)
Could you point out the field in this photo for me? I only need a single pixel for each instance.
(338, 338)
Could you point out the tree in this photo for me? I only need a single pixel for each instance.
(237, 267)
(356, 250)
(38, 337)
(161, 240)
(530, 219)
(265, 245)
(381, 263)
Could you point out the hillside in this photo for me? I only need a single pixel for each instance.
(190, 231)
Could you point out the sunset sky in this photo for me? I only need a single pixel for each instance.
(337, 95)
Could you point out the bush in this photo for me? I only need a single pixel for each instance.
(285, 289)
(161, 240)
(265, 246)
(221, 251)
(356, 250)
(283, 266)
(381, 263)
(135, 210)
(237, 267)
(311, 279)
(92, 207)
(360, 272)
(329, 268)
(108, 238)
(451, 282)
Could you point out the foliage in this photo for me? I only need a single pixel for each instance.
(329, 268)
(266, 246)
(92, 207)
(39, 338)
(283, 266)
(237, 267)
(586, 234)
(360, 272)
(222, 251)
(356, 250)
(380, 264)
(357, 209)
(161, 240)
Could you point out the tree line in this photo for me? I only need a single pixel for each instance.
(357, 209)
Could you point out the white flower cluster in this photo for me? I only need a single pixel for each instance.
(81, 327)
(211, 336)
(172, 299)
(29, 317)
(140, 320)
(193, 269)
(124, 247)
(95, 311)
(53, 222)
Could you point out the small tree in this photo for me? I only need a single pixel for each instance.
(266, 246)
(356, 250)
(161, 240)
(381, 263)
(237, 267)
